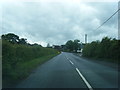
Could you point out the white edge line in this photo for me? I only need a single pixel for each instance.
(86, 82)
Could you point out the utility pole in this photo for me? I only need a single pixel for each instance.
(85, 38)
(119, 21)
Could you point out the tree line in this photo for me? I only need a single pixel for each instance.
(14, 39)
(69, 46)
(19, 57)
(73, 46)
(107, 48)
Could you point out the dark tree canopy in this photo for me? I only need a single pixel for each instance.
(69, 45)
(11, 37)
(22, 41)
(76, 45)
(106, 48)
(73, 45)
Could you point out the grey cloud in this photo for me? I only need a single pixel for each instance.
(55, 23)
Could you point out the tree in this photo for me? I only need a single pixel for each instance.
(107, 48)
(69, 45)
(11, 37)
(105, 44)
(73, 45)
(35, 44)
(76, 45)
(23, 41)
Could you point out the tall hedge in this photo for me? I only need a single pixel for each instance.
(14, 55)
(106, 48)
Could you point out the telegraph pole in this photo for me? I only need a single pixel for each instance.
(119, 21)
(85, 38)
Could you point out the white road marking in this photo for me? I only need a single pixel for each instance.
(71, 62)
(67, 58)
(86, 82)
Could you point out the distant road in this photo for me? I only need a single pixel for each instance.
(70, 71)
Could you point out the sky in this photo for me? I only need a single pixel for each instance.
(57, 22)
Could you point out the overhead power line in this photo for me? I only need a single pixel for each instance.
(108, 19)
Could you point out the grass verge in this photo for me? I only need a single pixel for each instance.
(23, 70)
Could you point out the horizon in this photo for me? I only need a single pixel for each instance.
(58, 22)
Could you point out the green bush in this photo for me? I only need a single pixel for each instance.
(108, 49)
(18, 59)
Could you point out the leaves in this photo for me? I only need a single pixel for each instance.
(107, 48)
(73, 45)
(15, 56)
(10, 37)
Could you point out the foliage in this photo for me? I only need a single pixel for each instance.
(72, 45)
(22, 41)
(10, 37)
(19, 59)
(108, 48)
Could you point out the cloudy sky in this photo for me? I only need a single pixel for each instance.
(58, 22)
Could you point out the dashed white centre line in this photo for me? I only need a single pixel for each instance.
(80, 74)
(86, 82)
(71, 62)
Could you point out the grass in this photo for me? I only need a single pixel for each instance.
(24, 69)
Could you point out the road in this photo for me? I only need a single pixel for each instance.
(70, 71)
